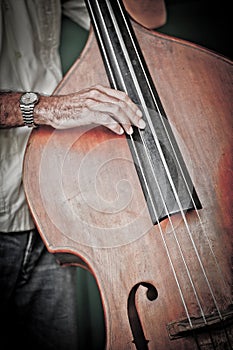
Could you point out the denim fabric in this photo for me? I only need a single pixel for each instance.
(37, 296)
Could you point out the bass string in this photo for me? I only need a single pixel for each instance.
(167, 134)
(134, 78)
(138, 158)
(115, 86)
(173, 150)
(143, 103)
(220, 274)
(167, 251)
(168, 215)
(160, 228)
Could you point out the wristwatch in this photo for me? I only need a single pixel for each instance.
(27, 102)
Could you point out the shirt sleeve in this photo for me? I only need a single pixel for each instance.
(76, 10)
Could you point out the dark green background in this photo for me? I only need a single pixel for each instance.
(203, 22)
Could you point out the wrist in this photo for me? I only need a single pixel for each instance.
(27, 102)
(43, 111)
(51, 110)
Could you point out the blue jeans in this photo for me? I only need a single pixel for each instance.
(37, 296)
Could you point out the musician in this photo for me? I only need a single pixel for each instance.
(37, 296)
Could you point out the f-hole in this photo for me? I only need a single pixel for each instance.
(139, 339)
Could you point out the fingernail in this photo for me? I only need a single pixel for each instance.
(130, 131)
(139, 113)
(141, 124)
(121, 131)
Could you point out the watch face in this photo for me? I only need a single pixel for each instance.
(28, 98)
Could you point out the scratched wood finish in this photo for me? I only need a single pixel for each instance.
(82, 207)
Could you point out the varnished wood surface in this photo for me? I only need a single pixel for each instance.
(82, 203)
(149, 13)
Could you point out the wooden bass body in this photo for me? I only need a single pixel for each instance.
(163, 286)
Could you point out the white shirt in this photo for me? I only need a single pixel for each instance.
(29, 61)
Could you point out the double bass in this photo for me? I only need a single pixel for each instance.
(148, 214)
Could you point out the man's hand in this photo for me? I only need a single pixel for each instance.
(95, 105)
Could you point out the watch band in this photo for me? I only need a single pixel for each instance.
(28, 101)
(28, 116)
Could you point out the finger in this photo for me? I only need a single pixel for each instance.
(115, 112)
(120, 96)
(108, 122)
(117, 109)
(132, 114)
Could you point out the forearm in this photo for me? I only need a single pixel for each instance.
(10, 114)
(96, 105)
